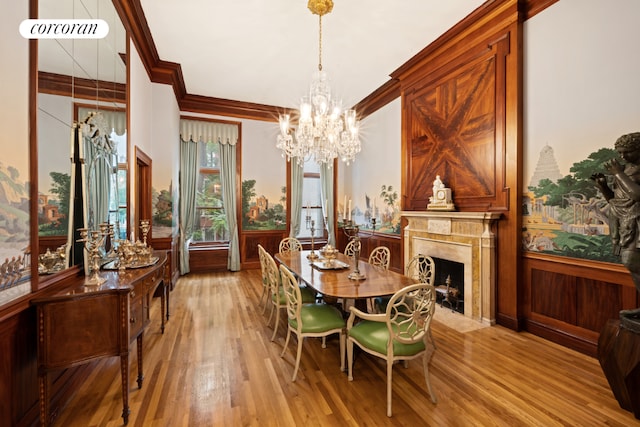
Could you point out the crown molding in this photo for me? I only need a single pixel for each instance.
(59, 84)
(166, 72)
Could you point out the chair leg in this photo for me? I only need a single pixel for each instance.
(324, 342)
(275, 326)
(299, 353)
(350, 359)
(342, 342)
(265, 298)
(270, 314)
(389, 382)
(430, 349)
(286, 342)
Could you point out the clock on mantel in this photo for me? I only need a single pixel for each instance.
(441, 199)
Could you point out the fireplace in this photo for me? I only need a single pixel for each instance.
(450, 294)
(461, 237)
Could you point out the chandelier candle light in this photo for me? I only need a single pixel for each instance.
(323, 131)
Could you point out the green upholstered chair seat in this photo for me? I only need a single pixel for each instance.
(307, 294)
(309, 320)
(317, 318)
(375, 336)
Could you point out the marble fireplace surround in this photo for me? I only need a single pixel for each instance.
(464, 237)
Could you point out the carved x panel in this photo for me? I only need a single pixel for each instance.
(452, 133)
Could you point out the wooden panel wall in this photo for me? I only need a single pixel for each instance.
(370, 241)
(569, 301)
(462, 119)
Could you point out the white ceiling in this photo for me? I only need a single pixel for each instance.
(264, 51)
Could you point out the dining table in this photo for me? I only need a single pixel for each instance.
(332, 279)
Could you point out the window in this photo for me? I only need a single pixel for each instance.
(211, 222)
(311, 202)
(118, 203)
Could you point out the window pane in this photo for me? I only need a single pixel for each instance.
(122, 186)
(311, 192)
(120, 223)
(211, 226)
(211, 221)
(311, 199)
(305, 227)
(209, 155)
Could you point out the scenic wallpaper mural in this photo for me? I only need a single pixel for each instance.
(566, 214)
(382, 204)
(578, 102)
(14, 232)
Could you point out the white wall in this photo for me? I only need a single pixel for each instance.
(140, 120)
(581, 79)
(378, 163)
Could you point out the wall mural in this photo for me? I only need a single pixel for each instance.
(263, 208)
(567, 215)
(264, 179)
(382, 204)
(14, 232)
(572, 120)
(162, 212)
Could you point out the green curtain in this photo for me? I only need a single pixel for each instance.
(297, 177)
(326, 186)
(228, 175)
(187, 202)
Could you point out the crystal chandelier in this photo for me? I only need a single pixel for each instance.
(324, 132)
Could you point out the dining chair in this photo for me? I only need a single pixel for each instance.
(350, 251)
(380, 257)
(401, 333)
(289, 244)
(278, 297)
(421, 268)
(309, 320)
(265, 277)
(351, 247)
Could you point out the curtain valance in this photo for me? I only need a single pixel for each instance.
(112, 119)
(206, 131)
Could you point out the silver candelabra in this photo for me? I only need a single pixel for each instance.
(352, 230)
(93, 241)
(311, 225)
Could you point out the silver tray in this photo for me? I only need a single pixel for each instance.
(112, 264)
(335, 265)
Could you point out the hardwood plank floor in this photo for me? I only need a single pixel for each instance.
(216, 366)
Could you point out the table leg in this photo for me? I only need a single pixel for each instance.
(163, 298)
(44, 399)
(139, 345)
(124, 371)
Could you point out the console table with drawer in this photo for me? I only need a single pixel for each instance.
(79, 324)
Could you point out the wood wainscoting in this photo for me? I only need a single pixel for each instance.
(371, 240)
(569, 301)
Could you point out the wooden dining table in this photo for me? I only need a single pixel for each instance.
(334, 281)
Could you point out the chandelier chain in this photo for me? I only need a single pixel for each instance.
(324, 131)
(320, 43)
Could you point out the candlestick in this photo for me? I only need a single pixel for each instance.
(344, 208)
(349, 210)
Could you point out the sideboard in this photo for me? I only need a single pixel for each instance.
(80, 323)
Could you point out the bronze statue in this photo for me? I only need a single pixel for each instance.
(624, 215)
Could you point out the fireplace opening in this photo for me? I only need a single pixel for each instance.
(449, 283)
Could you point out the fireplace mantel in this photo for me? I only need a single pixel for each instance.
(464, 237)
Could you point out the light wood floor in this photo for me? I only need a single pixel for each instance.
(216, 366)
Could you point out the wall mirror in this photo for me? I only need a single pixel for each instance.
(81, 94)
